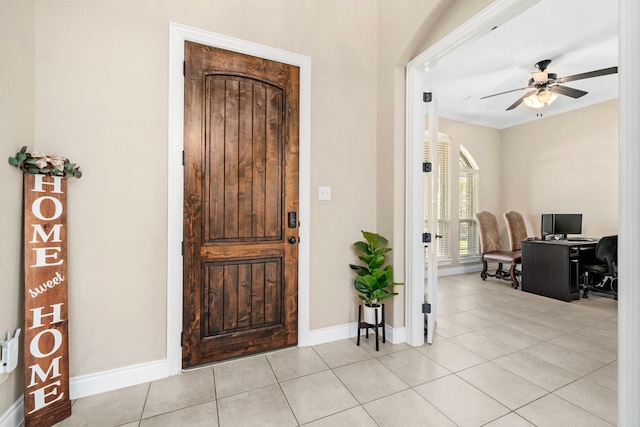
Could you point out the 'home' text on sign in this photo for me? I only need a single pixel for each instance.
(46, 347)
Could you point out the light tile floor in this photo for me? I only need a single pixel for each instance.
(501, 358)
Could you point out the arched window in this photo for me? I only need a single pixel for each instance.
(467, 205)
(457, 241)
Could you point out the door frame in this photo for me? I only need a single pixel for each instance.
(178, 34)
(497, 13)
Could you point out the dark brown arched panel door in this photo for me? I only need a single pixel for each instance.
(241, 144)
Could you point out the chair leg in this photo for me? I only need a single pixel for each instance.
(585, 290)
(514, 278)
(485, 266)
(499, 273)
(601, 284)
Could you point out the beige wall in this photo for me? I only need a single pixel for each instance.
(89, 80)
(16, 130)
(94, 75)
(564, 164)
(101, 99)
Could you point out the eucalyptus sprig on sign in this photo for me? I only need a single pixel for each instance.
(36, 162)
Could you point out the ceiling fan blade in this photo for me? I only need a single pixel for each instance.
(519, 101)
(588, 75)
(502, 93)
(568, 91)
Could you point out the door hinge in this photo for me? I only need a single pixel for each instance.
(182, 250)
(181, 338)
(426, 308)
(426, 96)
(426, 237)
(184, 68)
(182, 157)
(426, 167)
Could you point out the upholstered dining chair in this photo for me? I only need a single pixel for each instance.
(516, 229)
(491, 248)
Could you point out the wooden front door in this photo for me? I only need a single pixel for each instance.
(241, 138)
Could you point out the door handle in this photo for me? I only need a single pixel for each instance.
(292, 240)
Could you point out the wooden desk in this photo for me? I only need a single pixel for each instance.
(551, 268)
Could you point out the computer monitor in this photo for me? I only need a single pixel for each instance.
(546, 226)
(560, 224)
(567, 224)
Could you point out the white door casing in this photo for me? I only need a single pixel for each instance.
(177, 35)
(496, 14)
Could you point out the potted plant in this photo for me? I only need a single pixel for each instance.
(374, 281)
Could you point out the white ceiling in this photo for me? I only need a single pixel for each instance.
(577, 35)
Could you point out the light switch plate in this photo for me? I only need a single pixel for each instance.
(324, 193)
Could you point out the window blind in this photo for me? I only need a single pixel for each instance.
(441, 233)
(467, 203)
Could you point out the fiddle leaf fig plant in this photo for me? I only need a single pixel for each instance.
(374, 282)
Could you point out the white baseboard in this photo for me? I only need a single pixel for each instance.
(395, 335)
(349, 330)
(461, 269)
(332, 333)
(87, 385)
(14, 416)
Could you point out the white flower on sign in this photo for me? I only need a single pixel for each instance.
(57, 161)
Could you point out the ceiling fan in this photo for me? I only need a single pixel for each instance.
(545, 87)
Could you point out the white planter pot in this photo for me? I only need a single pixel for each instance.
(370, 314)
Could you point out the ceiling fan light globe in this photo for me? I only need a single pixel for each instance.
(544, 96)
(540, 99)
(532, 101)
(539, 76)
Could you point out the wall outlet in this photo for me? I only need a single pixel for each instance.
(10, 353)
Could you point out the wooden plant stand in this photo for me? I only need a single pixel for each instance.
(364, 325)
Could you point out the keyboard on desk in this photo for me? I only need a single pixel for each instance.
(580, 239)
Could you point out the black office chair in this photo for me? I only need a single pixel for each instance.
(600, 272)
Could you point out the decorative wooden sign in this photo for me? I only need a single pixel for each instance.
(46, 345)
(46, 284)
